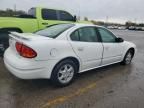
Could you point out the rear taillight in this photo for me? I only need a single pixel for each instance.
(25, 51)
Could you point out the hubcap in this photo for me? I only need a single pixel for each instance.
(66, 73)
(128, 58)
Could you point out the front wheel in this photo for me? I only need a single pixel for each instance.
(64, 72)
(128, 58)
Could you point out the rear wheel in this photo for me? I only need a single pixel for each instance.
(64, 73)
(4, 39)
(3, 42)
(128, 58)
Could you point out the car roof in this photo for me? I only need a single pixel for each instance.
(51, 9)
(83, 25)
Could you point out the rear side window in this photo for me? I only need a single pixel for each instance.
(32, 12)
(75, 36)
(49, 14)
(65, 16)
(86, 34)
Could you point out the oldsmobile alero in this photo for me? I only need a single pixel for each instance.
(60, 51)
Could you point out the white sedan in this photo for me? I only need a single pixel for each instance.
(60, 51)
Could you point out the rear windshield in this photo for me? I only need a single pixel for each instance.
(54, 30)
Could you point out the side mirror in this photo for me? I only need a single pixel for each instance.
(119, 39)
(74, 18)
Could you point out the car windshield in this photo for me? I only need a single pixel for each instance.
(54, 30)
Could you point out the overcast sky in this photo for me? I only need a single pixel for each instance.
(115, 10)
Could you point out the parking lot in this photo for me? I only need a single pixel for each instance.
(114, 86)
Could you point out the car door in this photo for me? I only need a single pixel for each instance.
(88, 48)
(112, 50)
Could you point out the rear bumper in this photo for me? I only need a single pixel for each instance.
(26, 73)
(27, 69)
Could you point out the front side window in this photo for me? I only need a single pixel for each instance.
(86, 34)
(65, 16)
(49, 14)
(106, 35)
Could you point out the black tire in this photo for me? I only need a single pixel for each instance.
(4, 39)
(56, 72)
(129, 55)
(4, 43)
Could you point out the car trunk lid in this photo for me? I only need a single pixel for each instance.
(24, 38)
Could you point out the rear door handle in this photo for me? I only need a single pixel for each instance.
(106, 48)
(80, 48)
(44, 23)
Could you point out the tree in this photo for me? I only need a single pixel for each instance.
(98, 22)
(9, 12)
(129, 23)
(85, 19)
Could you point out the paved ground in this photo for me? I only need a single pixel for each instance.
(113, 86)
